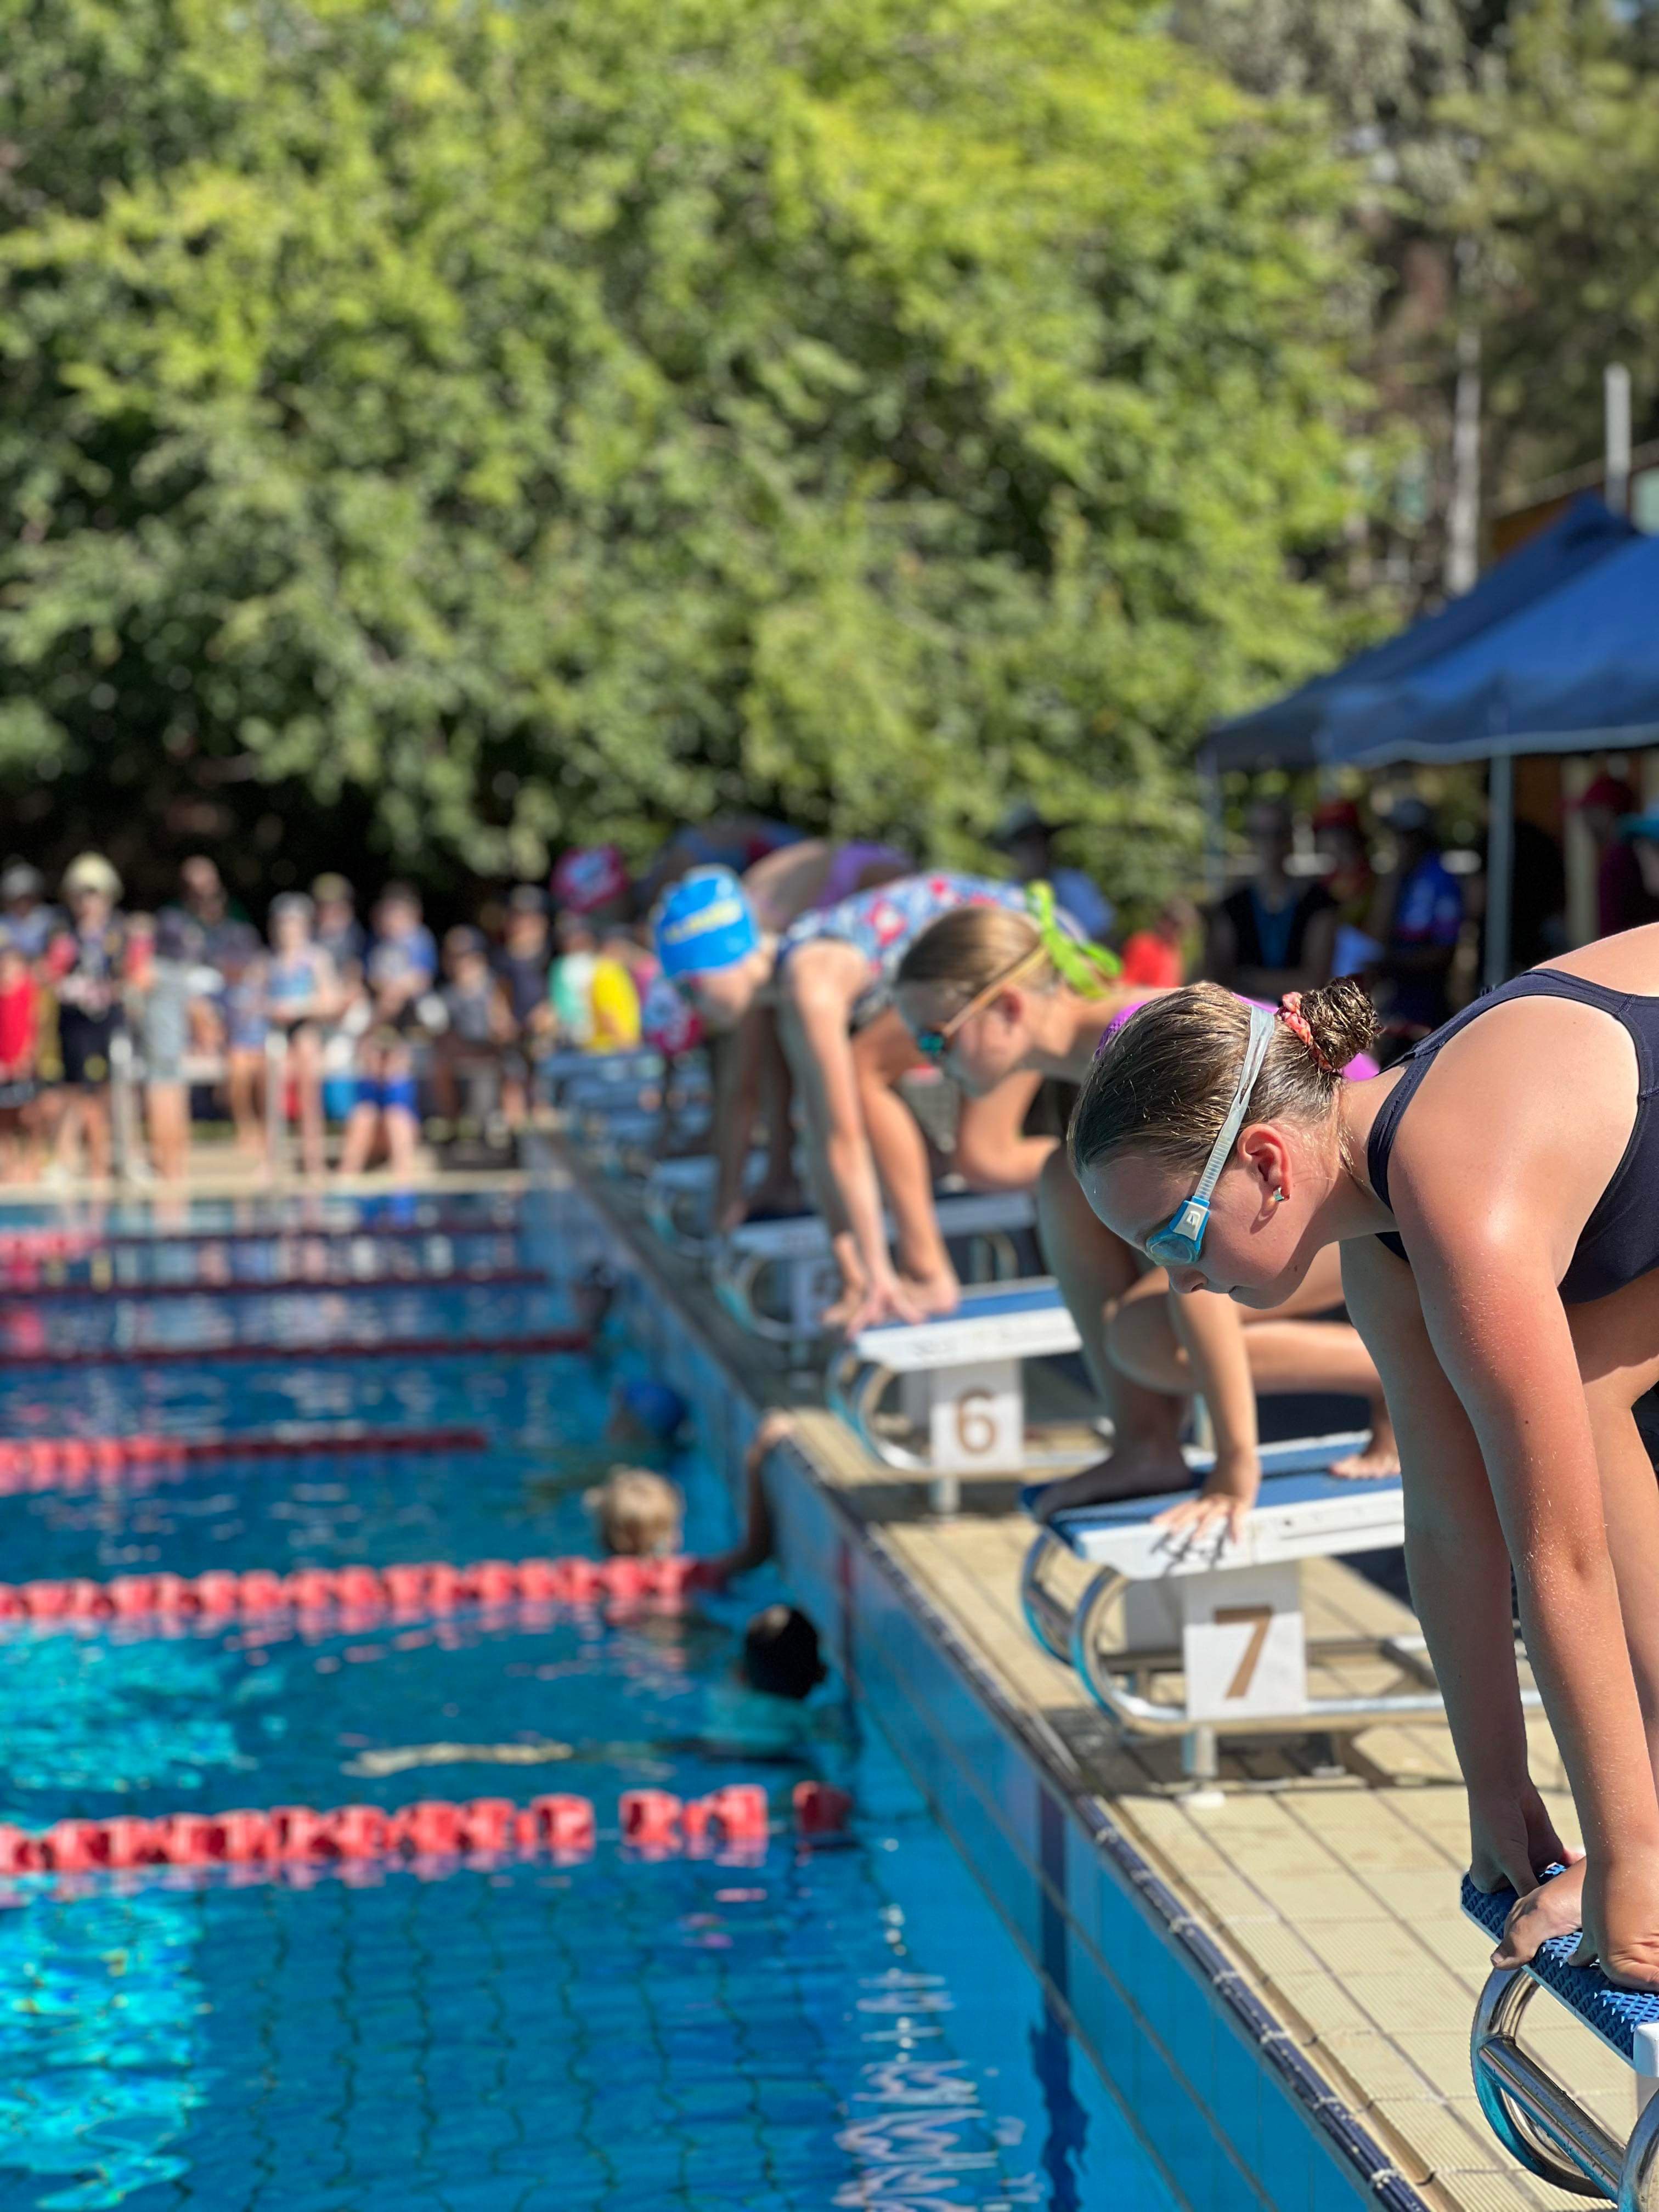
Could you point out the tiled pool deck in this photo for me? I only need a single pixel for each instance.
(1281, 1985)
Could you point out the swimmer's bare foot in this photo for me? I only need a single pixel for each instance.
(1379, 1457)
(1134, 1470)
(1554, 1908)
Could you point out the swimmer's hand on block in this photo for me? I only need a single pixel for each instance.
(1613, 2012)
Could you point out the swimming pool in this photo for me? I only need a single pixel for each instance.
(843, 2023)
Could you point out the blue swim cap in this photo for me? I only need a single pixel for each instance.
(653, 1406)
(704, 922)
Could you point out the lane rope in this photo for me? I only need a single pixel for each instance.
(245, 1287)
(299, 1355)
(426, 1586)
(80, 1243)
(71, 1463)
(650, 1823)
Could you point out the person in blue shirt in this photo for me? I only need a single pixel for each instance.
(1418, 918)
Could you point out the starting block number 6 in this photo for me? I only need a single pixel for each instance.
(976, 1417)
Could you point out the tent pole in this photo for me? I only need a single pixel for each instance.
(1500, 866)
(1215, 830)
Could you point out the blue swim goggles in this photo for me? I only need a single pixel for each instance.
(1179, 1244)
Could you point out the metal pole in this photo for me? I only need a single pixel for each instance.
(1463, 512)
(1500, 866)
(1615, 395)
(1215, 829)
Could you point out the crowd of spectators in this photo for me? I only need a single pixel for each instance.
(364, 1022)
(359, 1020)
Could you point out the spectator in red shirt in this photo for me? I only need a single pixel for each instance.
(1156, 957)
(20, 1031)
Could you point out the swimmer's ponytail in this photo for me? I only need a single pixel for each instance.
(1341, 1018)
(1163, 1082)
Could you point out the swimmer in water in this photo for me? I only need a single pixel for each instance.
(1495, 1199)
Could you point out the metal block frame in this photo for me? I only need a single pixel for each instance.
(1534, 2114)
(1120, 1679)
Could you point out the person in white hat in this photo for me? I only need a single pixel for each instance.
(85, 964)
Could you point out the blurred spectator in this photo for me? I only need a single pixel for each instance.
(1270, 935)
(1639, 837)
(26, 919)
(1339, 831)
(478, 1023)
(1156, 958)
(1417, 919)
(302, 993)
(19, 1043)
(164, 1025)
(525, 960)
(403, 959)
(1029, 843)
(241, 964)
(385, 1120)
(1538, 896)
(592, 879)
(594, 998)
(86, 961)
(338, 929)
(1623, 898)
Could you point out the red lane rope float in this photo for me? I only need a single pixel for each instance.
(428, 1587)
(243, 1287)
(77, 1243)
(651, 1823)
(51, 1462)
(404, 1347)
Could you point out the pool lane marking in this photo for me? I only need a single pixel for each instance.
(423, 1588)
(209, 1355)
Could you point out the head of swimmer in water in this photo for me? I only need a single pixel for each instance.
(1159, 1096)
(982, 992)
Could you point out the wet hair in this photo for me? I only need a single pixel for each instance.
(968, 949)
(1163, 1082)
(637, 1515)
(781, 1653)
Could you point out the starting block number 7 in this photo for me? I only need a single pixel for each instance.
(1243, 1642)
(976, 1417)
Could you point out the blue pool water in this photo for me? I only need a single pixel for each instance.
(843, 2025)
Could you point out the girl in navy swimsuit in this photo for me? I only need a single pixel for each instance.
(1497, 1200)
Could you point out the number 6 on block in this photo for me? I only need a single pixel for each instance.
(976, 1417)
(1244, 1643)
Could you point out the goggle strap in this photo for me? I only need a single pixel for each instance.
(1256, 1051)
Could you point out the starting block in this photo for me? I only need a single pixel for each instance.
(678, 1194)
(797, 1250)
(1225, 1613)
(961, 1380)
(1536, 2118)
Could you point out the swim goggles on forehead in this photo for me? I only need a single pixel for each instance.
(1179, 1243)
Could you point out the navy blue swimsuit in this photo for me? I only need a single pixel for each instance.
(1620, 1240)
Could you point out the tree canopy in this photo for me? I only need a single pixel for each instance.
(495, 425)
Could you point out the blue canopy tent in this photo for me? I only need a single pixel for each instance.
(1555, 650)
(1295, 731)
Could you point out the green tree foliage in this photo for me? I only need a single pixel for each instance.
(508, 423)
(1562, 204)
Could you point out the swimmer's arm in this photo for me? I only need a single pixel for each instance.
(1494, 1316)
(735, 1120)
(1208, 1326)
(756, 1546)
(993, 1152)
(821, 983)
(881, 1056)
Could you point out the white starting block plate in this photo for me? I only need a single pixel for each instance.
(804, 1236)
(1303, 1512)
(1017, 1320)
